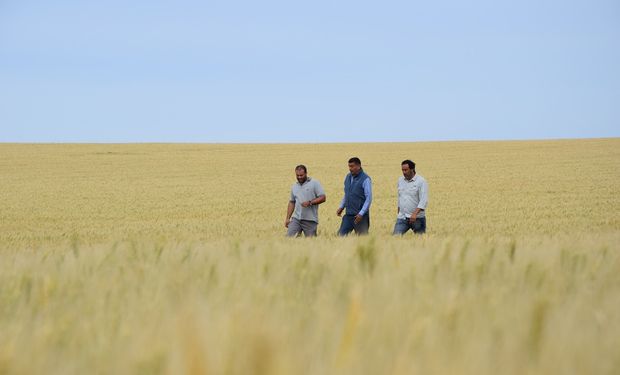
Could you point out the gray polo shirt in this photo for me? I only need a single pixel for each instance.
(412, 194)
(310, 190)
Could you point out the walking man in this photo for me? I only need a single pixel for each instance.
(306, 195)
(357, 199)
(412, 201)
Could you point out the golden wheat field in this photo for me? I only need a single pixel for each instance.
(171, 259)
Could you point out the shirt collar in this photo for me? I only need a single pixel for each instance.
(357, 175)
(307, 180)
(413, 179)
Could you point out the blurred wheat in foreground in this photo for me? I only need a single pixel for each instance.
(171, 259)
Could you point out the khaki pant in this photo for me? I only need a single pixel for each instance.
(296, 227)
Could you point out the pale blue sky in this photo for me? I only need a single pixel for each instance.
(320, 71)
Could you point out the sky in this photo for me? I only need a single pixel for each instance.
(320, 71)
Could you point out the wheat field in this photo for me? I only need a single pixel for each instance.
(171, 259)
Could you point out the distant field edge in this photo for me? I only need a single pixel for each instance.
(515, 140)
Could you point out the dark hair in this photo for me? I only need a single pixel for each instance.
(355, 160)
(409, 163)
(301, 166)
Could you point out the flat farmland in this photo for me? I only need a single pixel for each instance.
(171, 258)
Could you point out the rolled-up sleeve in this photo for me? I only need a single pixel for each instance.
(368, 193)
(423, 196)
(292, 199)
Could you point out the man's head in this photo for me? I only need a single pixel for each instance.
(355, 166)
(302, 173)
(408, 168)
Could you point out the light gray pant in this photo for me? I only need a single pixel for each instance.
(296, 227)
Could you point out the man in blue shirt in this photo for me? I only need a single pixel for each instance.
(357, 200)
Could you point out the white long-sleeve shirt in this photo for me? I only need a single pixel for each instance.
(412, 194)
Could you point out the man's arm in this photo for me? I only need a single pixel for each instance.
(414, 215)
(341, 207)
(319, 193)
(289, 213)
(423, 196)
(289, 209)
(423, 202)
(318, 200)
(397, 199)
(342, 202)
(368, 193)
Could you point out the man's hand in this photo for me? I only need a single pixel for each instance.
(287, 222)
(306, 204)
(358, 218)
(339, 211)
(414, 215)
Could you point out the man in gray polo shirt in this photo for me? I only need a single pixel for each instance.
(412, 201)
(302, 214)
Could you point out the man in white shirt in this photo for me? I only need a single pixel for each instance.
(412, 201)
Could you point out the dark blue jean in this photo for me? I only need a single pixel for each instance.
(348, 225)
(403, 225)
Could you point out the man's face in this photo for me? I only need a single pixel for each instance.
(302, 176)
(407, 172)
(354, 168)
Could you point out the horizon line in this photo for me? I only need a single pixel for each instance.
(298, 142)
